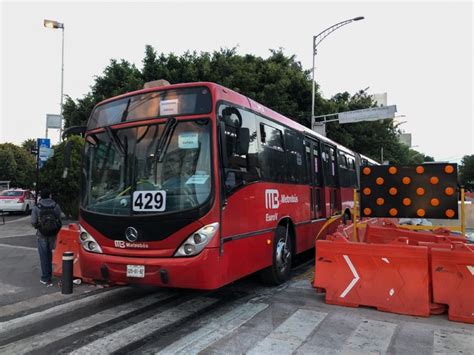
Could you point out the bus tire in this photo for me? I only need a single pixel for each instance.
(280, 270)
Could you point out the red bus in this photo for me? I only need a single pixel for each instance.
(195, 186)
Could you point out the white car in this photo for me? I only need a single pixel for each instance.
(16, 200)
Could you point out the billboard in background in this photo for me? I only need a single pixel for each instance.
(405, 138)
(369, 114)
(53, 121)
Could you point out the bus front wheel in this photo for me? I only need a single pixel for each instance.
(280, 269)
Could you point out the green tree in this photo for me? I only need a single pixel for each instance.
(278, 82)
(8, 164)
(65, 190)
(29, 144)
(466, 172)
(21, 170)
(77, 113)
(118, 78)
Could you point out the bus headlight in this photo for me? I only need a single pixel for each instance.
(88, 242)
(197, 241)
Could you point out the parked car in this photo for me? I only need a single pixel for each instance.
(16, 200)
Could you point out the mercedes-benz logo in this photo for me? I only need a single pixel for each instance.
(131, 234)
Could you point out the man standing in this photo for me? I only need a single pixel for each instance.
(46, 218)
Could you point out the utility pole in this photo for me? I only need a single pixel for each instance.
(36, 152)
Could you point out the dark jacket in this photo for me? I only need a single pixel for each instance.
(35, 212)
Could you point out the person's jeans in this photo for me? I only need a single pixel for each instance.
(46, 246)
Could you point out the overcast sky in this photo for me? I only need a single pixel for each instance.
(420, 53)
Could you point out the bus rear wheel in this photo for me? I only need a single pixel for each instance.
(280, 269)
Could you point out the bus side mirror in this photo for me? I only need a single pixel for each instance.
(67, 157)
(243, 141)
(80, 130)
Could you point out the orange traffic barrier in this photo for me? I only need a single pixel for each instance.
(68, 240)
(387, 234)
(453, 280)
(392, 278)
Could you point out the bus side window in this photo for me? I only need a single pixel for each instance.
(272, 154)
(241, 147)
(317, 164)
(352, 171)
(307, 147)
(294, 155)
(332, 154)
(326, 165)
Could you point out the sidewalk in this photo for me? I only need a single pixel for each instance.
(19, 264)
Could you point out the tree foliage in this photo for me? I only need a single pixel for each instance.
(65, 191)
(466, 172)
(17, 165)
(278, 82)
(29, 145)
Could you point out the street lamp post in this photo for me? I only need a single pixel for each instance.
(56, 25)
(316, 41)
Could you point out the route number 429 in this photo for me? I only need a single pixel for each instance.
(149, 201)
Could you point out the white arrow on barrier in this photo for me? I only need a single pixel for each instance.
(471, 269)
(354, 280)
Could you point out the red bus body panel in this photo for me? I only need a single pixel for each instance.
(247, 222)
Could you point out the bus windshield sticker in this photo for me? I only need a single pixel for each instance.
(197, 179)
(188, 140)
(149, 201)
(169, 107)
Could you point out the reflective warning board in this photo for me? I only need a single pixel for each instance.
(414, 191)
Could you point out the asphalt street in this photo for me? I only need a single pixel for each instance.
(244, 317)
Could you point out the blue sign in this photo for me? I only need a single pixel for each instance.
(44, 142)
(44, 150)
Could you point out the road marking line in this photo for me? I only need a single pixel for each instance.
(17, 247)
(55, 311)
(29, 304)
(446, 342)
(18, 220)
(214, 330)
(471, 269)
(370, 337)
(41, 340)
(290, 334)
(354, 280)
(131, 334)
(17, 235)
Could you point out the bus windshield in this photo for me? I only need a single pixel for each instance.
(172, 160)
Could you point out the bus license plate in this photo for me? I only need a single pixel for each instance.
(135, 270)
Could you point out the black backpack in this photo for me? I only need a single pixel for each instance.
(48, 223)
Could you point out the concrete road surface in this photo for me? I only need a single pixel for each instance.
(244, 317)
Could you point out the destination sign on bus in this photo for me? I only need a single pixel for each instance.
(185, 101)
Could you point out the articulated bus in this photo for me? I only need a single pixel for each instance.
(195, 186)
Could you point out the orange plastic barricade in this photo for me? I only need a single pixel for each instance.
(68, 240)
(453, 281)
(383, 235)
(392, 278)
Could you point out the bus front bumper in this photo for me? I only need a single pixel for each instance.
(198, 272)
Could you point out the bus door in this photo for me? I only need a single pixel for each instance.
(331, 180)
(313, 158)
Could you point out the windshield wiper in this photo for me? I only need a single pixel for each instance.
(165, 138)
(163, 142)
(125, 112)
(115, 141)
